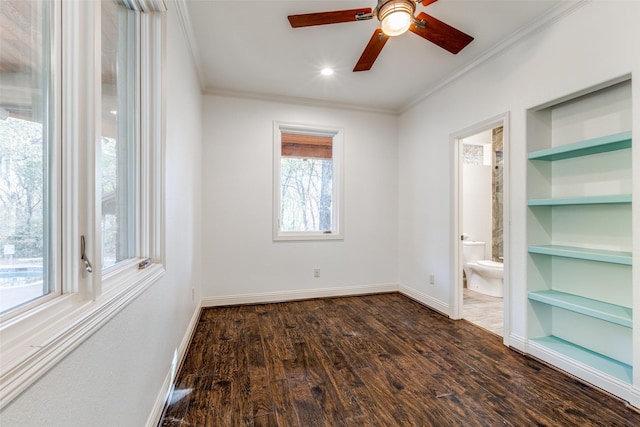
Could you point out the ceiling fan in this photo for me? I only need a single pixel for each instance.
(396, 17)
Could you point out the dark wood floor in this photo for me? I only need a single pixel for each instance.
(379, 360)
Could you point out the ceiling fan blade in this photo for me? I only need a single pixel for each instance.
(441, 34)
(322, 18)
(371, 52)
(427, 2)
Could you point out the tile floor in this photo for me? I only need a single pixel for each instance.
(483, 310)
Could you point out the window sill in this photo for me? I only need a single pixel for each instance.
(307, 236)
(63, 324)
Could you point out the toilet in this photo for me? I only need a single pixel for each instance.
(484, 276)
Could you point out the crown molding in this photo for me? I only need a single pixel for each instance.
(296, 100)
(185, 22)
(557, 13)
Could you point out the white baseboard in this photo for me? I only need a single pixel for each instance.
(425, 299)
(167, 385)
(518, 342)
(584, 372)
(158, 406)
(267, 297)
(635, 398)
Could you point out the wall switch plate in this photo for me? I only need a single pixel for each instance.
(432, 279)
(316, 272)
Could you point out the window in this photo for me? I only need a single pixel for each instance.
(27, 141)
(307, 170)
(120, 137)
(80, 173)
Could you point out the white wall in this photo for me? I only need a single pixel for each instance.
(477, 193)
(114, 378)
(242, 263)
(476, 204)
(598, 42)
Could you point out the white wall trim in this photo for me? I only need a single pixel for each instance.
(169, 381)
(158, 406)
(56, 341)
(295, 100)
(634, 398)
(456, 292)
(425, 299)
(185, 22)
(584, 372)
(518, 342)
(267, 297)
(560, 11)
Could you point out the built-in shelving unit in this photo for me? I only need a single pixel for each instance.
(619, 141)
(579, 269)
(607, 365)
(615, 257)
(600, 310)
(584, 200)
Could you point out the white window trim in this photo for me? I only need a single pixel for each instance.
(35, 340)
(337, 233)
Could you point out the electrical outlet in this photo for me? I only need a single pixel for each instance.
(432, 279)
(316, 272)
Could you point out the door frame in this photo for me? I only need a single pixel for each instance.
(456, 292)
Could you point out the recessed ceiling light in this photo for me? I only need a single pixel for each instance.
(114, 112)
(326, 71)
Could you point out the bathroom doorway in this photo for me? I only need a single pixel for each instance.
(481, 238)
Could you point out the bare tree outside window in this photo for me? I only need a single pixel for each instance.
(306, 194)
(306, 180)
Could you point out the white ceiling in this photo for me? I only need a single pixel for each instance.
(248, 48)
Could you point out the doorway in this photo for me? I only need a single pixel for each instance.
(480, 292)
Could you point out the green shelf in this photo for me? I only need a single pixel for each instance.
(605, 364)
(586, 200)
(613, 257)
(589, 307)
(619, 141)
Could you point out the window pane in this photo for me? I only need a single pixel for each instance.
(119, 134)
(306, 180)
(26, 270)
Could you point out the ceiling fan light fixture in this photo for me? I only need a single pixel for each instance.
(396, 16)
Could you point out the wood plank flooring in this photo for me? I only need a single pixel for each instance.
(376, 360)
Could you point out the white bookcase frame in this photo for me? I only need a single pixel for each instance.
(579, 236)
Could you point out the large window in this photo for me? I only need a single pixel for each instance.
(80, 173)
(307, 162)
(119, 139)
(27, 144)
